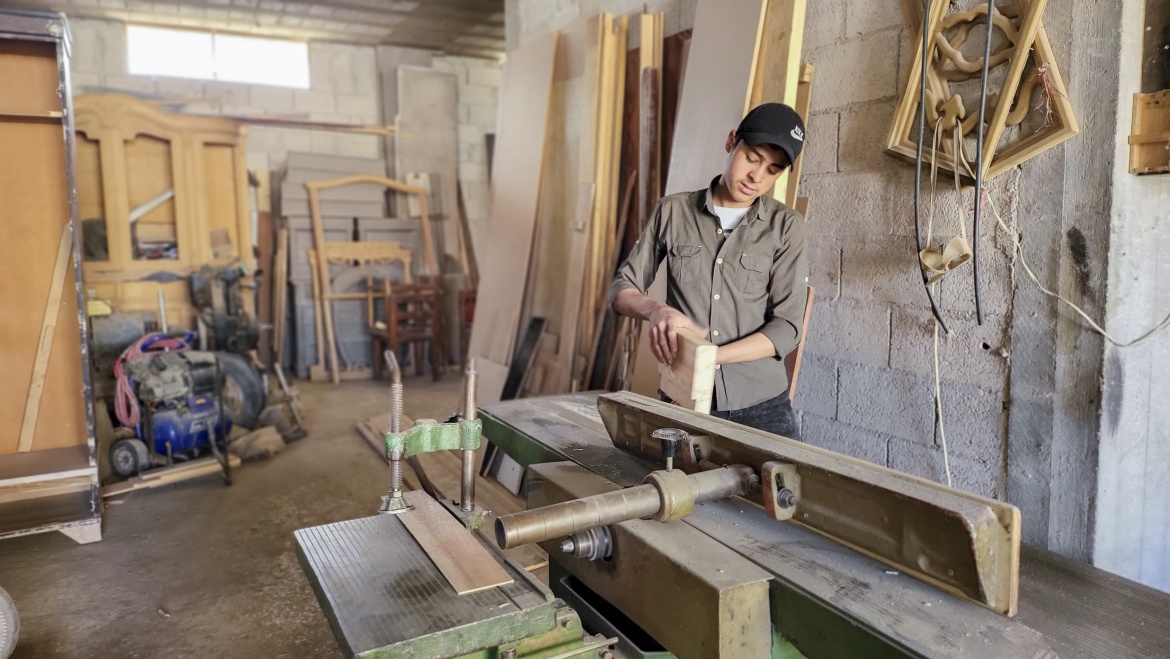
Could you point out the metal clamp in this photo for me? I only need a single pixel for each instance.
(781, 489)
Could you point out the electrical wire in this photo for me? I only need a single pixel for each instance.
(979, 163)
(918, 161)
(1017, 245)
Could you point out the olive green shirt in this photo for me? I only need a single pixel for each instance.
(752, 279)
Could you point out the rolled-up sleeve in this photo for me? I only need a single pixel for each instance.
(788, 289)
(641, 265)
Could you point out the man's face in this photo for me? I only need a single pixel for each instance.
(751, 170)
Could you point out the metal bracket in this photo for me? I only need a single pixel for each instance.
(694, 451)
(429, 435)
(781, 489)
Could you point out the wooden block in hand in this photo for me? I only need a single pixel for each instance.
(690, 379)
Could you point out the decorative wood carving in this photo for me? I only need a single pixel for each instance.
(1031, 100)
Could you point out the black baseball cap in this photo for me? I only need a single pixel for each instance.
(776, 124)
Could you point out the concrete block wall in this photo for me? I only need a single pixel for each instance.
(343, 89)
(479, 85)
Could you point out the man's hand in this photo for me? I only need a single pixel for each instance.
(664, 325)
(664, 322)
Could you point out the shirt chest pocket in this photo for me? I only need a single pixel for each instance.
(752, 277)
(684, 263)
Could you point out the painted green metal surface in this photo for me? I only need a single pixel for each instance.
(519, 446)
(429, 436)
(565, 636)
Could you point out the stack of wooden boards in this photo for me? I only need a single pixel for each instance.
(567, 210)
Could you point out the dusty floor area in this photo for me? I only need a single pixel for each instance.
(199, 569)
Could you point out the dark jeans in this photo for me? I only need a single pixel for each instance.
(774, 415)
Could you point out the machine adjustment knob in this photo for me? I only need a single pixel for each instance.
(670, 439)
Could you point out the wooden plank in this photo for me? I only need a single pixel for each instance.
(169, 475)
(715, 95)
(803, 102)
(518, 163)
(45, 347)
(792, 360)
(690, 378)
(963, 543)
(778, 68)
(467, 564)
(279, 294)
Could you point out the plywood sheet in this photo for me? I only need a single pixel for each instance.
(468, 565)
(515, 181)
(35, 211)
(716, 91)
(28, 74)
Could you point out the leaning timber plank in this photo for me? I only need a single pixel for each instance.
(467, 564)
(690, 378)
(963, 543)
(516, 174)
(36, 387)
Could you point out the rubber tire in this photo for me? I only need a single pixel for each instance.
(9, 625)
(128, 457)
(237, 369)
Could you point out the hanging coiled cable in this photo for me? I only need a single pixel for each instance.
(918, 162)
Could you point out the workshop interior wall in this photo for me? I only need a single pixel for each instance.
(1022, 393)
(345, 87)
(1133, 488)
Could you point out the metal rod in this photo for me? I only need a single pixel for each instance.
(470, 413)
(561, 519)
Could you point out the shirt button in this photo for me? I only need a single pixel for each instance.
(719, 261)
(719, 231)
(714, 332)
(717, 367)
(716, 296)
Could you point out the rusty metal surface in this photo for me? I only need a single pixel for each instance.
(718, 601)
(964, 543)
(570, 426)
(913, 618)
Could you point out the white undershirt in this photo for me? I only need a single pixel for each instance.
(730, 217)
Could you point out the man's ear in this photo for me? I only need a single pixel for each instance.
(730, 142)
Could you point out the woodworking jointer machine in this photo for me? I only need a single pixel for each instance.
(676, 534)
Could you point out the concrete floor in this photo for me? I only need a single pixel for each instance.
(198, 569)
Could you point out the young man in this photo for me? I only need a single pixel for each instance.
(737, 272)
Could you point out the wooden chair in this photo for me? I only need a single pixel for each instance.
(359, 254)
(412, 314)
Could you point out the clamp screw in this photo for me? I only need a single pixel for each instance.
(670, 439)
(786, 498)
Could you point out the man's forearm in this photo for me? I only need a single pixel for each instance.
(635, 305)
(749, 348)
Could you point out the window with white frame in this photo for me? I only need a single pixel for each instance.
(209, 56)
